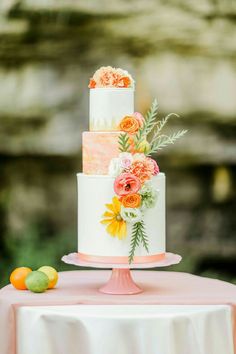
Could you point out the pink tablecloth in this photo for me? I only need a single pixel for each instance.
(80, 287)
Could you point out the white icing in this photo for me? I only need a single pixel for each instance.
(107, 106)
(93, 193)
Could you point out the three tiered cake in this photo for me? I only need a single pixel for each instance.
(121, 192)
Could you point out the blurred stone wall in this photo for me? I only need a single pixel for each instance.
(182, 52)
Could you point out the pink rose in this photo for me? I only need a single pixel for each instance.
(139, 118)
(126, 163)
(126, 184)
(155, 166)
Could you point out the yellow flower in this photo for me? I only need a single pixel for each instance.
(116, 226)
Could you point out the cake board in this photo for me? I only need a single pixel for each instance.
(121, 282)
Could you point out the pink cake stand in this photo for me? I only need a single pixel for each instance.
(121, 282)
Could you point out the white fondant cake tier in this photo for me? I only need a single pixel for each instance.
(94, 192)
(107, 106)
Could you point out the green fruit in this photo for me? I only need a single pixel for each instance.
(37, 281)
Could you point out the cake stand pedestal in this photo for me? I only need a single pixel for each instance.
(121, 282)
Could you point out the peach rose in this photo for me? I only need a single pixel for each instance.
(143, 169)
(108, 76)
(129, 124)
(107, 80)
(126, 184)
(131, 200)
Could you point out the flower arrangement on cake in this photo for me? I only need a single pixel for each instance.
(133, 171)
(108, 76)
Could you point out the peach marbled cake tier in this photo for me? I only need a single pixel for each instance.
(98, 150)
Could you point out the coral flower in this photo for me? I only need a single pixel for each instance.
(131, 200)
(143, 169)
(126, 183)
(116, 226)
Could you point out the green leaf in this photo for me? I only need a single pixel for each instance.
(143, 236)
(164, 140)
(138, 235)
(148, 124)
(161, 123)
(123, 141)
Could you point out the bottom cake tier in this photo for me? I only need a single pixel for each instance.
(95, 244)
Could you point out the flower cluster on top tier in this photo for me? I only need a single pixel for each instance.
(133, 171)
(108, 76)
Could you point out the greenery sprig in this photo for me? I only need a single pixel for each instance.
(161, 123)
(148, 125)
(123, 141)
(138, 236)
(162, 141)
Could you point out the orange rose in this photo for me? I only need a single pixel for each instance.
(92, 83)
(129, 125)
(131, 201)
(124, 81)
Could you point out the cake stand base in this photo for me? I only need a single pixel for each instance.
(121, 282)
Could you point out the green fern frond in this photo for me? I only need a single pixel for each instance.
(161, 123)
(134, 242)
(164, 140)
(148, 125)
(138, 235)
(150, 117)
(143, 236)
(123, 141)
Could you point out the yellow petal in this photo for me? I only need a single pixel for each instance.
(110, 207)
(106, 221)
(123, 230)
(108, 214)
(116, 231)
(111, 228)
(116, 204)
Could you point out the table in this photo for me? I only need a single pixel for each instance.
(81, 287)
(126, 329)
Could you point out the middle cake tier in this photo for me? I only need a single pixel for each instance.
(98, 150)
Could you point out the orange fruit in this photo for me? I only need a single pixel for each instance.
(18, 276)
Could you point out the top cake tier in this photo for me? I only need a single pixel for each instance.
(107, 107)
